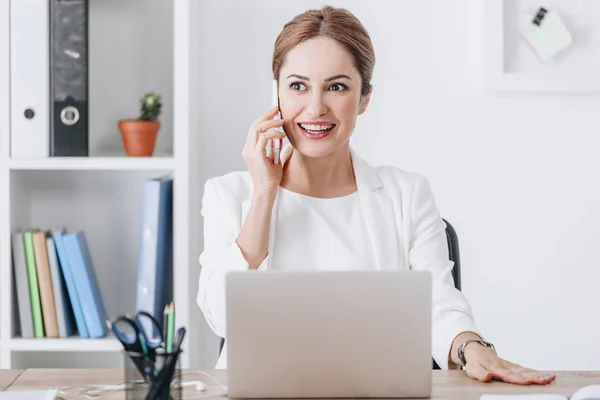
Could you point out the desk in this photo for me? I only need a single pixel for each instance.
(447, 385)
(8, 376)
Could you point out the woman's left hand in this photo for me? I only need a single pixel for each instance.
(484, 365)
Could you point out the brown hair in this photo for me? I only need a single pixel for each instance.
(336, 23)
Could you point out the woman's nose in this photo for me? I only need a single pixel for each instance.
(317, 105)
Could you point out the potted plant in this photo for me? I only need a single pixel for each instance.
(139, 135)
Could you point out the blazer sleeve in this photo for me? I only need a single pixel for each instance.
(451, 312)
(221, 254)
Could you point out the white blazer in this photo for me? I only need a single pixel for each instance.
(403, 222)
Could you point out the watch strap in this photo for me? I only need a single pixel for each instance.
(461, 348)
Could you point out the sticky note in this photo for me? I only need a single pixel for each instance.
(547, 35)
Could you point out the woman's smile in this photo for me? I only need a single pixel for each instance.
(316, 130)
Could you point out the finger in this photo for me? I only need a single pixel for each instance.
(263, 144)
(271, 112)
(509, 376)
(480, 373)
(269, 148)
(535, 376)
(252, 133)
(270, 134)
(542, 378)
(270, 124)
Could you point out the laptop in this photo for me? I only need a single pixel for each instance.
(328, 334)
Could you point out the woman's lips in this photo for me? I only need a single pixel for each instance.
(316, 134)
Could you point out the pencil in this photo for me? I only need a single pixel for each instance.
(174, 313)
(170, 329)
(165, 324)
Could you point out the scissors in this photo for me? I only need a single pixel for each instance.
(139, 334)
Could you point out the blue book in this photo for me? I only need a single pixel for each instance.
(64, 309)
(155, 260)
(88, 290)
(65, 266)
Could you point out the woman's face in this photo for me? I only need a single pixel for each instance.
(320, 96)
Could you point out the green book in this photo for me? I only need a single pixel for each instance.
(34, 290)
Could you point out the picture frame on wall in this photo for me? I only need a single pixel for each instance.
(542, 47)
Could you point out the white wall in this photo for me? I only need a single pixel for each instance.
(516, 176)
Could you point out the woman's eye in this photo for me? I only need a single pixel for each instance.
(297, 86)
(337, 87)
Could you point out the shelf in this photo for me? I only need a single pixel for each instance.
(70, 344)
(94, 163)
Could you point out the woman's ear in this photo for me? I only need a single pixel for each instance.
(364, 101)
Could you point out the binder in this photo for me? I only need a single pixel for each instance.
(69, 116)
(155, 263)
(29, 79)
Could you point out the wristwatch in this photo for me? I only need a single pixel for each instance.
(461, 349)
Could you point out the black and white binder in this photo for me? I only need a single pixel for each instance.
(29, 75)
(69, 114)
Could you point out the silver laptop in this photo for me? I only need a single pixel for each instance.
(328, 334)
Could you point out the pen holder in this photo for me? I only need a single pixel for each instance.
(148, 379)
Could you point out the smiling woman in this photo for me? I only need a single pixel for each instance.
(323, 207)
(323, 61)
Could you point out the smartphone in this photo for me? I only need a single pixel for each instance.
(275, 102)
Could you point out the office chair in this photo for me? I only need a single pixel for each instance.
(454, 255)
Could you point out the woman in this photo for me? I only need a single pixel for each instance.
(324, 198)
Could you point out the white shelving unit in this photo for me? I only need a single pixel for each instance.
(135, 46)
(95, 164)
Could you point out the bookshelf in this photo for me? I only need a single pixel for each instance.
(121, 163)
(135, 46)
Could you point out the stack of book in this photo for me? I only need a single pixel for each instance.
(56, 287)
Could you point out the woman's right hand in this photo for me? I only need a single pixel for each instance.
(265, 174)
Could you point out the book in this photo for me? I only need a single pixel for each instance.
(34, 291)
(88, 289)
(67, 270)
(45, 284)
(22, 285)
(64, 310)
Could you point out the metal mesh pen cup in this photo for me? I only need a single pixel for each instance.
(147, 379)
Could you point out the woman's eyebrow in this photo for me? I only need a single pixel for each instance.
(305, 78)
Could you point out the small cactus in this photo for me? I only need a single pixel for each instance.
(151, 106)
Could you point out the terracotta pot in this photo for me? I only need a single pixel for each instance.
(139, 137)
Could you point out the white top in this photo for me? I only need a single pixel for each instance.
(320, 234)
(404, 227)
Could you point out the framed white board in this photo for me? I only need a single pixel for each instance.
(512, 66)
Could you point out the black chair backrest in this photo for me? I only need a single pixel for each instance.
(454, 256)
(454, 253)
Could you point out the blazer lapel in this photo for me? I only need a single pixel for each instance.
(378, 212)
